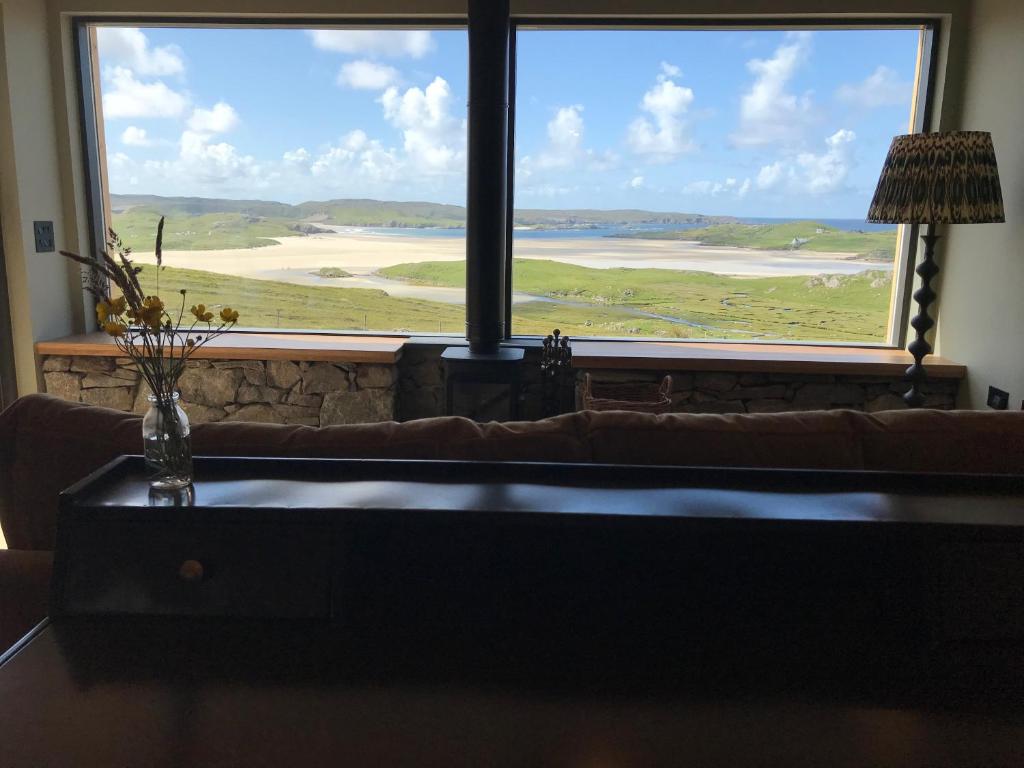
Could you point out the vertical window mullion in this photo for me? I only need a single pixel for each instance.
(511, 164)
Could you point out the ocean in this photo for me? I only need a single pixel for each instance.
(849, 225)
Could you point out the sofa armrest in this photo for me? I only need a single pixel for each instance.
(24, 592)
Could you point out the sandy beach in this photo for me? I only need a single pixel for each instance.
(292, 259)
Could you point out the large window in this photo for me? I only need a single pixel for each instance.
(707, 183)
(688, 183)
(295, 167)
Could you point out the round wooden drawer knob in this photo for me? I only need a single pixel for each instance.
(191, 570)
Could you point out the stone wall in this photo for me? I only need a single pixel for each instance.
(275, 391)
(720, 392)
(346, 393)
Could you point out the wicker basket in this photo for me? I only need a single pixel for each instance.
(645, 398)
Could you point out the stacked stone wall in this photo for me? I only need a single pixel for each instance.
(321, 393)
(272, 391)
(722, 392)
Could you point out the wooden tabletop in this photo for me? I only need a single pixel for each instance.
(108, 693)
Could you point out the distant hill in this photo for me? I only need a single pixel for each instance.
(583, 218)
(385, 213)
(788, 235)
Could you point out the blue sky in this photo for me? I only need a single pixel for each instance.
(740, 122)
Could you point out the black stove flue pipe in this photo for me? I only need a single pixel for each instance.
(486, 197)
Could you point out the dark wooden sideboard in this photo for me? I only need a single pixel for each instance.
(435, 613)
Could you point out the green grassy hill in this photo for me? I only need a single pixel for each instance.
(272, 219)
(202, 232)
(823, 307)
(600, 302)
(272, 304)
(799, 235)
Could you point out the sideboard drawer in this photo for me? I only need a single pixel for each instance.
(160, 568)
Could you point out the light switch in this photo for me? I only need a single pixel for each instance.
(44, 236)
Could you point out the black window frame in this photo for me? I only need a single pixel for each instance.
(924, 97)
(903, 276)
(89, 128)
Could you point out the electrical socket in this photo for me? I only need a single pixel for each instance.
(998, 399)
(44, 236)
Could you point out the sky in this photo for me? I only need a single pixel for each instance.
(730, 122)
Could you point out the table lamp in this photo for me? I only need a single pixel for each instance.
(935, 178)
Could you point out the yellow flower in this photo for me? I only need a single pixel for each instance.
(113, 328)
(228, 315)
(102, 311)
(152, 312)
(199, 310)
(118, 306)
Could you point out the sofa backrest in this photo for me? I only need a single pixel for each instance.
(46, 444)
(921, 440)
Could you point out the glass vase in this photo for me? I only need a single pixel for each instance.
(168, 445)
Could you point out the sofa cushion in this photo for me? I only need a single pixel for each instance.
(46, 444)
(943, 441)
(810, 440)
(452, 438)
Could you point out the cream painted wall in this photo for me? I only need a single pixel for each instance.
(981, 293)
(41, 173)
(45, 295)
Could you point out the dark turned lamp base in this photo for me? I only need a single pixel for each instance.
(922, 322)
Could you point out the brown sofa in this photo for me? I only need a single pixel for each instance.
(47, 444)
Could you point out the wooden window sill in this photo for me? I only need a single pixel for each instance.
(253, 346)
(644, 355)
(754, 358)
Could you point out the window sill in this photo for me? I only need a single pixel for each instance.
(253, 346)
(592, 355)
(754, 358)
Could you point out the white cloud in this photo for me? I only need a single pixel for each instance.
(433, 139)
(547, 190)
(729, 186)
(827, 172)
(770, 175)
(374, 42)
(565, 139)
(565, 131)
(135, 137)
(221, 119)
(201, 166)
(564, 147)
(670, 70)
(882, 87)
(366, 75)
(213, 162)
(723, 186)
(131, 48)
(810, 173)
(666, 137)
(298, 157)
(768, 112)
(128, 97)
(120, 161)
(636, 182)
(358, 158)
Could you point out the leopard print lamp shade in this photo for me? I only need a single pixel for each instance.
(939, 178)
